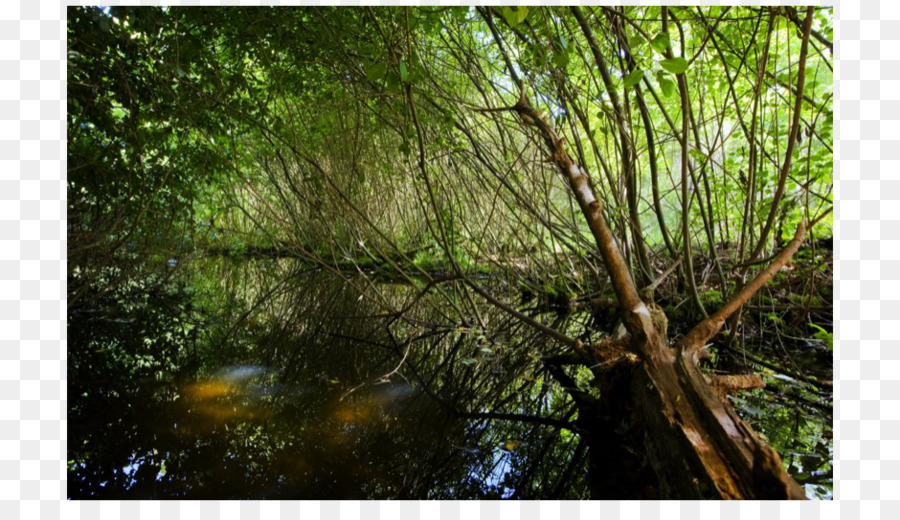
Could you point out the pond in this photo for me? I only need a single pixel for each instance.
(269, 379)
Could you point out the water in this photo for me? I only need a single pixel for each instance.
(263, 379)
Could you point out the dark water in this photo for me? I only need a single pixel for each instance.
(263, 379)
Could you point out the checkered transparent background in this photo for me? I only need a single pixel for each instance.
(32, 307)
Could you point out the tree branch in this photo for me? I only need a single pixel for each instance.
(706, 329)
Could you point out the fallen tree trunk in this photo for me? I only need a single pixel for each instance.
(659, 429)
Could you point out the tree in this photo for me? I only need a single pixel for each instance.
(357, 136)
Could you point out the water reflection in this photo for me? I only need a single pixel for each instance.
(262, 379)
(232, 393)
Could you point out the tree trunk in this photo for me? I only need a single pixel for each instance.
(659, 430)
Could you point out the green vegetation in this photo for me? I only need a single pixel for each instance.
(423, 158)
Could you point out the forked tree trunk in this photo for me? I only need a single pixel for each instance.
(659, 430)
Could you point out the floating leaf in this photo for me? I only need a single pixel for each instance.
(634, 78)
(783, 377)
(522, 14)
(675, 65)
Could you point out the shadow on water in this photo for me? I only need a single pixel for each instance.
(260, 379)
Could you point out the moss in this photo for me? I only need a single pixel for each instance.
(660, 320)
(711, 299)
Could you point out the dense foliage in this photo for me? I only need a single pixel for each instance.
(378, 145)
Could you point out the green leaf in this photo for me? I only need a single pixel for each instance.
(393, 82)
(376, 71)
(675, 65)
(635, 41)
(560, 59)
(634, 78)
(404, 72)
(514, 15)
(660, 42)
(722, 86)
(523, 13)
(824, 335)
(697, 155)
(667, 85)
(469, 362)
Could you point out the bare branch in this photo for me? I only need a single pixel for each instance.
(706, 329)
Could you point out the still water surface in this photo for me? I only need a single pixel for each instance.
(263, 379)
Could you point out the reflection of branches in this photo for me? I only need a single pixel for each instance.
(518, 417)
(580, 397)
(386, 377)
(408, 344)
(420, 294)
(528, 474)
(577, 460)
(263, 299)
(553, 333)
